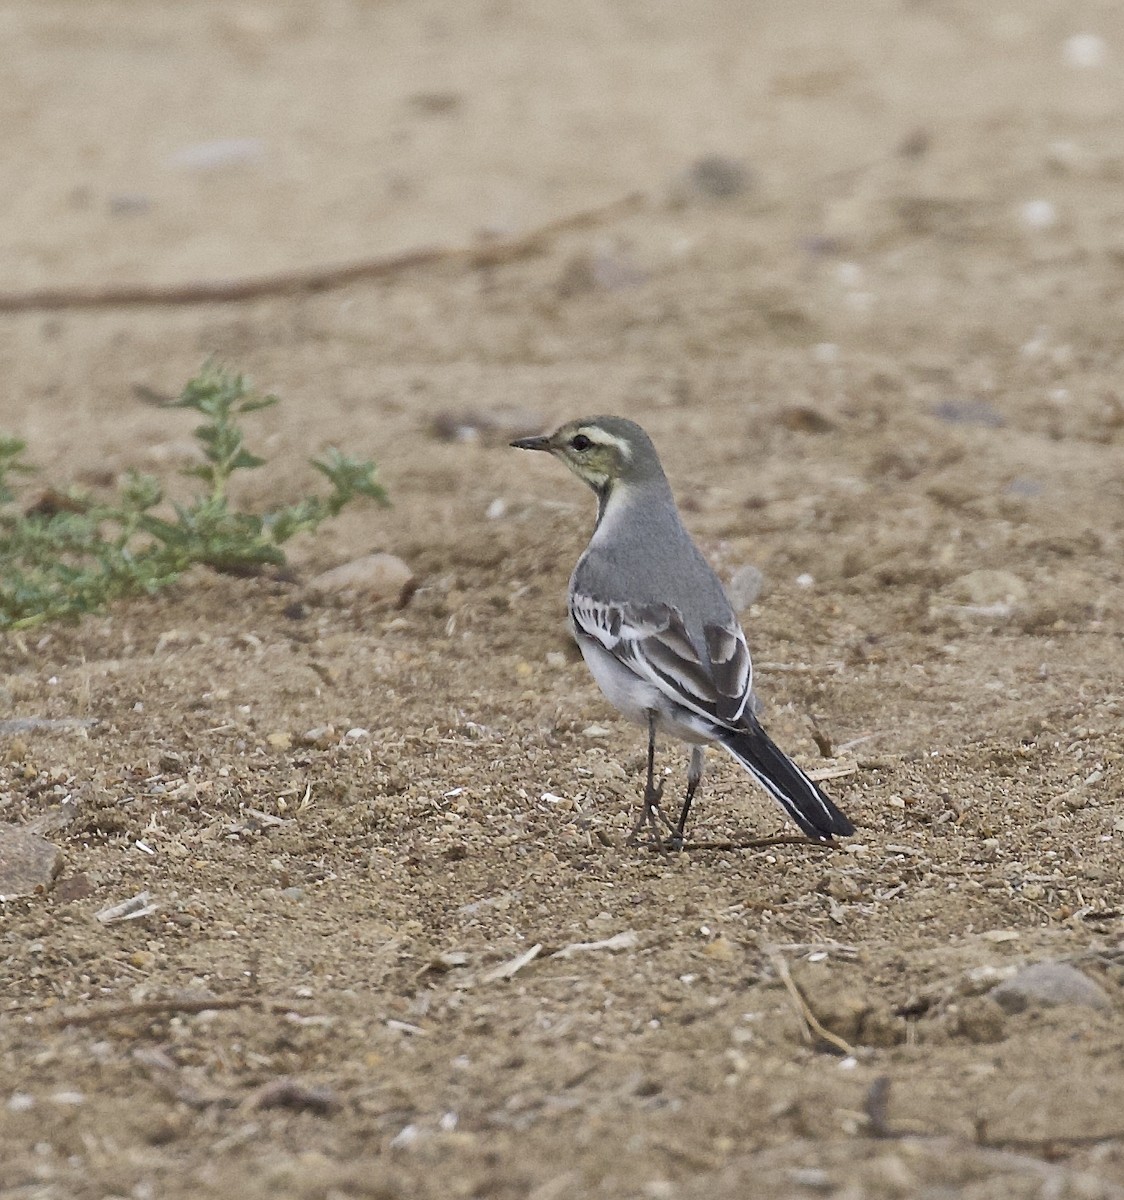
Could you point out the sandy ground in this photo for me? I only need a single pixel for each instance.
(884, 369)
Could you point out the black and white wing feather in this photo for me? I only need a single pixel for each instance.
(710, 677)
(713, 682)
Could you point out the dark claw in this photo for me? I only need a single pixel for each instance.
(652, 818)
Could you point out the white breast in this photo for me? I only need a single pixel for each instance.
(635, 697)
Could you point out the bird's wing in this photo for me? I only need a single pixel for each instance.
(714, 680)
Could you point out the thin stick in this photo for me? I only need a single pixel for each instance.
(833, 665)
(877, 1107)
(748, 844)
(1044, 1145)
(808, 1019)
(309, 279)
(837, 771)
(170, 1004)
(840, 948)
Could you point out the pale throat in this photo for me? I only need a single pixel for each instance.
(610, 501)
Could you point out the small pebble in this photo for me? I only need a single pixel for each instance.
(1048, 985)
(813, 1178)
(745, 587)
(217, 155)
(28, 862)
(717, 177)
(376, 578)
(989, 586)
(1084, 50)
(1038, 215)
(721, 949)
(405, 1137)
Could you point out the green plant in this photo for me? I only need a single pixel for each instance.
(72, 554)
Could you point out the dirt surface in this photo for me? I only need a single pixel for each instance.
(878, 344)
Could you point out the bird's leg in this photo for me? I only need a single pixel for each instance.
(652, 814)
(694, 778)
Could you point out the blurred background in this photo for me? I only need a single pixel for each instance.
(858, 267)
(163, 141)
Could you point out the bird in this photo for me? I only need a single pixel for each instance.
(659, 634)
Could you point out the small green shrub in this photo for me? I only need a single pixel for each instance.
(75, 554)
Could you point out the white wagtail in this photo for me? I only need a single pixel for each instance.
(658, 632)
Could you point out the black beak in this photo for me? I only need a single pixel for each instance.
(532, 443)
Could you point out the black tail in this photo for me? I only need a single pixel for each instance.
(786, 783)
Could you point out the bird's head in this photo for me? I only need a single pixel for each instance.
(602, 451)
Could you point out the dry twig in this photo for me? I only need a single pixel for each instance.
(876, 1107)
(310, 279)
(745, 844)
(808, 1021)
(168, 1005)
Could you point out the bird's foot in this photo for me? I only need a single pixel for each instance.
(663, 835)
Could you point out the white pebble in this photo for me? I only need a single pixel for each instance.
(19, 1102)
(497, 509)
(217, 155)
(1084, 50)
(849, 275)
(825, 353)
(1038, 214)
(1037, 346)
(805, 580)
(406, 1136)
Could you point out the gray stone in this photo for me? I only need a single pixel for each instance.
(28, 863)
(745, 587)
(376, 578)
(1048, 985)
(988, 586)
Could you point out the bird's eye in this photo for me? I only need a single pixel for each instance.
(580, 442)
